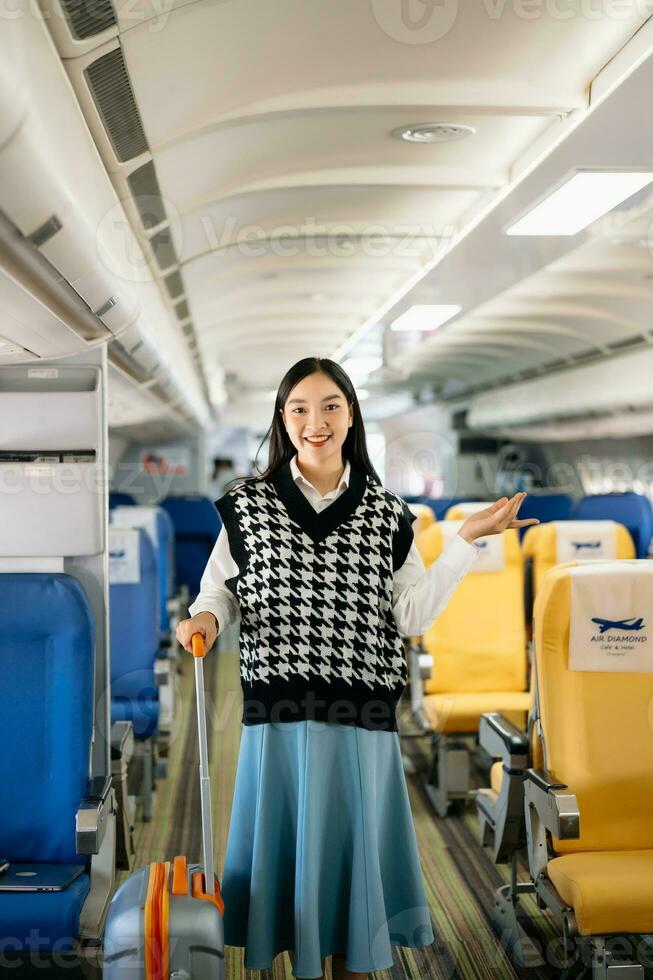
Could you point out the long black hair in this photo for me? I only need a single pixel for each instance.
(281, 448)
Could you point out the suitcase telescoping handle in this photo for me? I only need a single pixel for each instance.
(205, 782)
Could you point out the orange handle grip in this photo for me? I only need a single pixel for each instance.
(198, 645)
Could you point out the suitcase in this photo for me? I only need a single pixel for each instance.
(163, 923)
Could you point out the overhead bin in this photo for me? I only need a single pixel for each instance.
(56, 193)
(595, 388)
(50, 462)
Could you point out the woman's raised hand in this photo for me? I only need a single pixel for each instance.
(204, 623)
(496, 518)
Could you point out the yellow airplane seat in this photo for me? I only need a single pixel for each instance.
(459, 512)
(546, 545)
(478, 657)
(589, 809)
(500, 805)
(424, 517)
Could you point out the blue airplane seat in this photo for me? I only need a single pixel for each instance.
(46, 726)
(197, 525)
(631, 509)
(134, 616)
(118, 498)
(546, 507)
(166, 536)
(157, 521)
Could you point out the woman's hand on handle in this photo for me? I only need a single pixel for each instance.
(204, 623)
(496, 518)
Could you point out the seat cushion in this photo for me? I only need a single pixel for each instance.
(42, 920)
(142, 712)
(610, 891)
(462, 712)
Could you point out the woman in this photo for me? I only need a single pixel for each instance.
(317, 559)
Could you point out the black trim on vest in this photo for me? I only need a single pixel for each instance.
(318, 526)
(334, 701)
(403, 538)
(226, 508)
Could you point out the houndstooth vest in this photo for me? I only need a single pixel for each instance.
(318, 639)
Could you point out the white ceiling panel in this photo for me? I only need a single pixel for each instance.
(296, 215)
(374, 212)
(209, 61)
(339, 146)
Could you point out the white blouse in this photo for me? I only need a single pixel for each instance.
(419, 595)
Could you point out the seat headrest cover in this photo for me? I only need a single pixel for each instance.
(145, 517)
(124, 555)
(611, 616)
(581, 540)
(491, 548)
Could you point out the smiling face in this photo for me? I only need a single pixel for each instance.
(317, 418)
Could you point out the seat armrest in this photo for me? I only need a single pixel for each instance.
(503, 740)
(549, 806)
(162, 672)
(92, 816)
(122, 741)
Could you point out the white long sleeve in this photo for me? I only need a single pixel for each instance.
(214, 596)
(420, 594)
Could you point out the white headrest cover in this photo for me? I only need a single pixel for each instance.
(491, 548)
(612, 616)
(124, 555)
(582, 540)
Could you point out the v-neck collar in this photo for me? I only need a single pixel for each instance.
(318, 525)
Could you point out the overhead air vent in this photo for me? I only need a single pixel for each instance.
(86, 18)
(174, 285)
(182, 310)
(112, 93)
(587, 355)
(144, 186)
(636, 341)
(163, 249)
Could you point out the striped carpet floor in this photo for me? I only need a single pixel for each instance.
(460, 877)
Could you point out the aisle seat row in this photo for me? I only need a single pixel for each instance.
(59, 817)
(631, 509)
(474, 658)
(144, 547)
(565, 742)
(575, 793)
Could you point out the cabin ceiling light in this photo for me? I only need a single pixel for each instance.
(425, 316)
(433, 132)
(582, 198)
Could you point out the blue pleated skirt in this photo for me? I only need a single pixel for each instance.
(321, 854)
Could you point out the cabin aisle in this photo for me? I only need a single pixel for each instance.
(460, 877)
